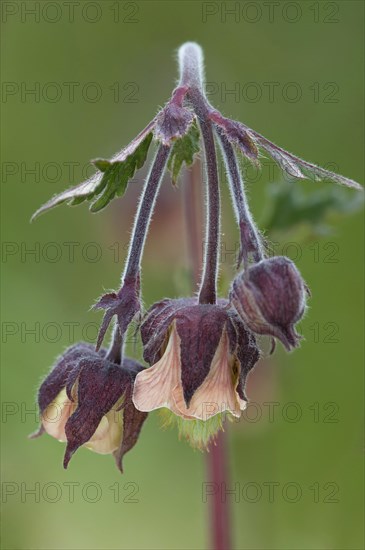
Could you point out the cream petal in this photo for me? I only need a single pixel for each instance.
(57, 413)
(217, 394)
(153, 387)
(160, 386)
(108, 434)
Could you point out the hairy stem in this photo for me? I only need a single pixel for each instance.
(130, 287)
(249, 235)
(192, 77)
(208, 288)
(217, 470)
(143, 216)
(191, 68)
(115, 349)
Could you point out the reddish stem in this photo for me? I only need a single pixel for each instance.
(217, 468)
(219, 506)
(191, 67)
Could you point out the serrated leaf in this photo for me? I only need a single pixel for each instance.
(117, 175)
(132, 157)
(184, 150)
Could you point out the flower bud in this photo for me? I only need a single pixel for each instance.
(172, 123)
(270, 298)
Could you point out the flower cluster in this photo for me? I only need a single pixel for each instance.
(200, 349)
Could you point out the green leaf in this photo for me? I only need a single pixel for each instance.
(117, 174)
(184, 150)
(97, 189)
(101, 164)
(111, 179)
(290, 206)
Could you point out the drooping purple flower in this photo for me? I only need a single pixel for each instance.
(200, 355)
(86, 401)
(200, 350)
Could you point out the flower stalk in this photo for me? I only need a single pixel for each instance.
(250, 240)
(220, 515)
(143, 216)
(192, 76)
(216, 458)
(116, 346)
(126, 303)
(208, 288)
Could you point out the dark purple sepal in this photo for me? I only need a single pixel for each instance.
(156, 323)
(200, 329)
(237, 134)
(57, 378)
(100, 385)
(172, 123)
(243, 345)
(125, 305)
(133, 420)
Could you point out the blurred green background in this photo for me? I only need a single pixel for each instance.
(119, 60)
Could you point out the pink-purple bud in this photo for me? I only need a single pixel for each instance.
(172, 123)
(270, 297)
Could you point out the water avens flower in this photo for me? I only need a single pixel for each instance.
(200, 355)
(86, 401)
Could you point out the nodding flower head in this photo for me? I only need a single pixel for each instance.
(86, 401)
(270, 297)
(200, 350)
(200, 356)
